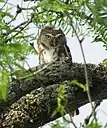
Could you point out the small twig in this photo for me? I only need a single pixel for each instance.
(20, 25)
(32, 44)
(70, 121)
(8, 3)
(87, 119)
(19, 10)
(18, 32)
(30, 69)
(73, 122)
(4, 5)
(17, 27)
(27, 23)
(36, 72)
(13, 18)
(86, 73)
(85, 68)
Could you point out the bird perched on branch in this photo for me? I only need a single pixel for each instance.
(52, 45)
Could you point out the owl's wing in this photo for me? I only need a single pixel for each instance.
(41, 59)
(68, 51)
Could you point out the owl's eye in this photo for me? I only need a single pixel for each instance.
(59, 37)
(47, 36)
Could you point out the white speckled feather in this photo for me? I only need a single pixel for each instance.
(49, 55)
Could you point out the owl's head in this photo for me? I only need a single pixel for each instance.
(51, 37)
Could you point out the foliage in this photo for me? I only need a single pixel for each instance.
(61, 100)
(62, 97)
(88, 13)
(14, 47)
(75, 82)
(57, 125)
(94, 125)
(4, 82)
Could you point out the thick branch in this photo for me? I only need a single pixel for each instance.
(35, 108)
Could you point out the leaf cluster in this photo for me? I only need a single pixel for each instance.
(14, 47)
(88, 14)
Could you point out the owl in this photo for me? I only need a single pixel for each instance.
(52, 45)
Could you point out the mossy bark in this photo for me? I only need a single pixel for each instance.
(32, 99)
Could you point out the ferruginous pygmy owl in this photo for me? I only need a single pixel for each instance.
(52, 45)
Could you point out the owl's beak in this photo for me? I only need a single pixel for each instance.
(54, 41)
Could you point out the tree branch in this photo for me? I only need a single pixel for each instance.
(32, 100)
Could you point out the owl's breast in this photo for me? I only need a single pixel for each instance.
(49, 55)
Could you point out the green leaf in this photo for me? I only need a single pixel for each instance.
(94, 125)
(61, 100)
(75, 82)
(1, 0)
(4, 83)
(57, 125)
